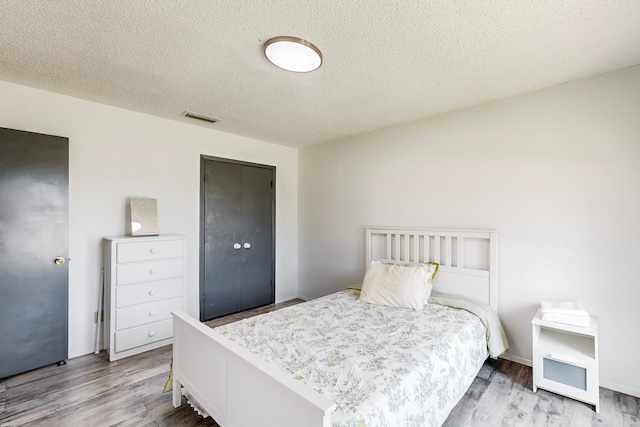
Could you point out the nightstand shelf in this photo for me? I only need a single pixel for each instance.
(565, 359)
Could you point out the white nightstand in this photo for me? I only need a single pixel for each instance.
(565, 359)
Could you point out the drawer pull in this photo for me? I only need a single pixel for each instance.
(152, 334)
(152, 292)
(563, 358)
(152, 313)
(153, 271)
(152, 250)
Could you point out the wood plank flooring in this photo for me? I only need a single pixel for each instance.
(91, 391)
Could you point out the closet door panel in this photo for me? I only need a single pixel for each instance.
(223, 228)
(257, 231)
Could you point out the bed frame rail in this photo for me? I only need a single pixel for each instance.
(226, 380)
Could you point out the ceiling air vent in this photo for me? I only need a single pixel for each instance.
(197, 116)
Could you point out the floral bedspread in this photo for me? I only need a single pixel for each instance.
(382, 366)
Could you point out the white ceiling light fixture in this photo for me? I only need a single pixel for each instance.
(293, 54)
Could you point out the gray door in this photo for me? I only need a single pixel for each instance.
(34, 216)
(237, 255)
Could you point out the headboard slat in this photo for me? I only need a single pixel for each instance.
(425, 244)
(447, 251)
(396, 245)
(388, 245)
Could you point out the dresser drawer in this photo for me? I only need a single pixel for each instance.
(149, 250)
(146, 292)
(143, 335)
(148, 271)
(141, 314)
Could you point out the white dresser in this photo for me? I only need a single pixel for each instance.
(143, 282)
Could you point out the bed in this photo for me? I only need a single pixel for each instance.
(338, 361)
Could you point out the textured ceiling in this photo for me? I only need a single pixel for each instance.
(385, 62)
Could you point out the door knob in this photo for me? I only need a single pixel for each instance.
(247, 245)
(236, 246)
(58, 260)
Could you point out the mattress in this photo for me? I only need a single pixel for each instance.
(382, 366)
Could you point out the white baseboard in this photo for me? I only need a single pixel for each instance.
(516, 359)
(632, 391)
(635, 392)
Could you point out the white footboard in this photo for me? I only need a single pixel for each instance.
(237, 388)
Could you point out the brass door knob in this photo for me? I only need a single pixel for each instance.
(59, 260)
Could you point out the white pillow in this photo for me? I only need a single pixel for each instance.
(405, 286)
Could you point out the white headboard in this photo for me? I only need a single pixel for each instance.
(468, 259)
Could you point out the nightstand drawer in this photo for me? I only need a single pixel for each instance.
(564, 373)
(141, 314)
(149, 250)
(146, 292)
(148, 271)
(143, 335)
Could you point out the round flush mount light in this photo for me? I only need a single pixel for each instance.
(293, 54)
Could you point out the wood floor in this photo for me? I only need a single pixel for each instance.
(91, 391)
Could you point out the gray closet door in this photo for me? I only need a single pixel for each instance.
(237, 256)
(257, 233)
(34, 216)
(222, 229)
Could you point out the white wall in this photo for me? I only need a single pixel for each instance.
(557, 172)
(115, 154)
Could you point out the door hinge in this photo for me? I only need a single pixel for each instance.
(204, 178)
(271, 184)
(95, 317)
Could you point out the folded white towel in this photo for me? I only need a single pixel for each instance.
(570, 308)
(568, 319)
